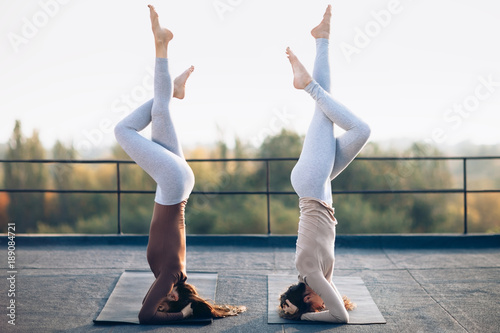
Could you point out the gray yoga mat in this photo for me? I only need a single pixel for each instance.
(125, 301)
(366, 311)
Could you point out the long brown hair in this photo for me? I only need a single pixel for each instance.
(201, 307)
(295, 294)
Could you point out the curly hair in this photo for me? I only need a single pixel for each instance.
(348, 304)
(201, 307)
(295, 294)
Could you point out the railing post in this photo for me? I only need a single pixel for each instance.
(118, 197)
(268, 186)
(465, 194)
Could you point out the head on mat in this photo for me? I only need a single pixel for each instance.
(300, 298)
(184, 294)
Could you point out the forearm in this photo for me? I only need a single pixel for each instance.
(326, 316)
(159, 317)
(336, 312)
(149, 313)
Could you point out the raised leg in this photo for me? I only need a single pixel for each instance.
(162, 128)
(180, 83)
(350, 143)
(161, 158)
(310, 176)
(171, 172)
(162, 35)
(324, 156)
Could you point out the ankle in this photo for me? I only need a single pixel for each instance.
(310, 86)
(161, 51)
(322, 40)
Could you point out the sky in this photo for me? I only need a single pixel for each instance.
(414, 70)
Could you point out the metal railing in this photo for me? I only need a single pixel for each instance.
(464, 190)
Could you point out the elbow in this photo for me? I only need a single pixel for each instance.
(344, 317)
(122, 133)
(143, 320)
(144, 317)
(340, 317)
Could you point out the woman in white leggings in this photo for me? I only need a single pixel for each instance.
(323, 158)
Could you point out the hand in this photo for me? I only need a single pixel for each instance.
(187, 311)
(289, 308)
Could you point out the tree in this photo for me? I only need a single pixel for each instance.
(25, 208)
(60, 209)
(286, 144)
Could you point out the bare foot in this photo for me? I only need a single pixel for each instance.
(301, 77)
(180, 83)
(162, 35)
(322, 30)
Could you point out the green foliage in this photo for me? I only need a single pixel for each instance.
(356, 215)
(208, 213)
(25, 208)
(284, 214)
(136, 212)
(62, 210)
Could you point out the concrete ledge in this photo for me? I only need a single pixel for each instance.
(420, 241)
(356, 241)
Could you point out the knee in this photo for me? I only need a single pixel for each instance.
(122, 131)
(119, 131)
(364, 130)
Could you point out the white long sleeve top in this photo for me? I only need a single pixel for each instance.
(315, 258)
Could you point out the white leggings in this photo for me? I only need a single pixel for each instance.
(161, 157)
(323, 155)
